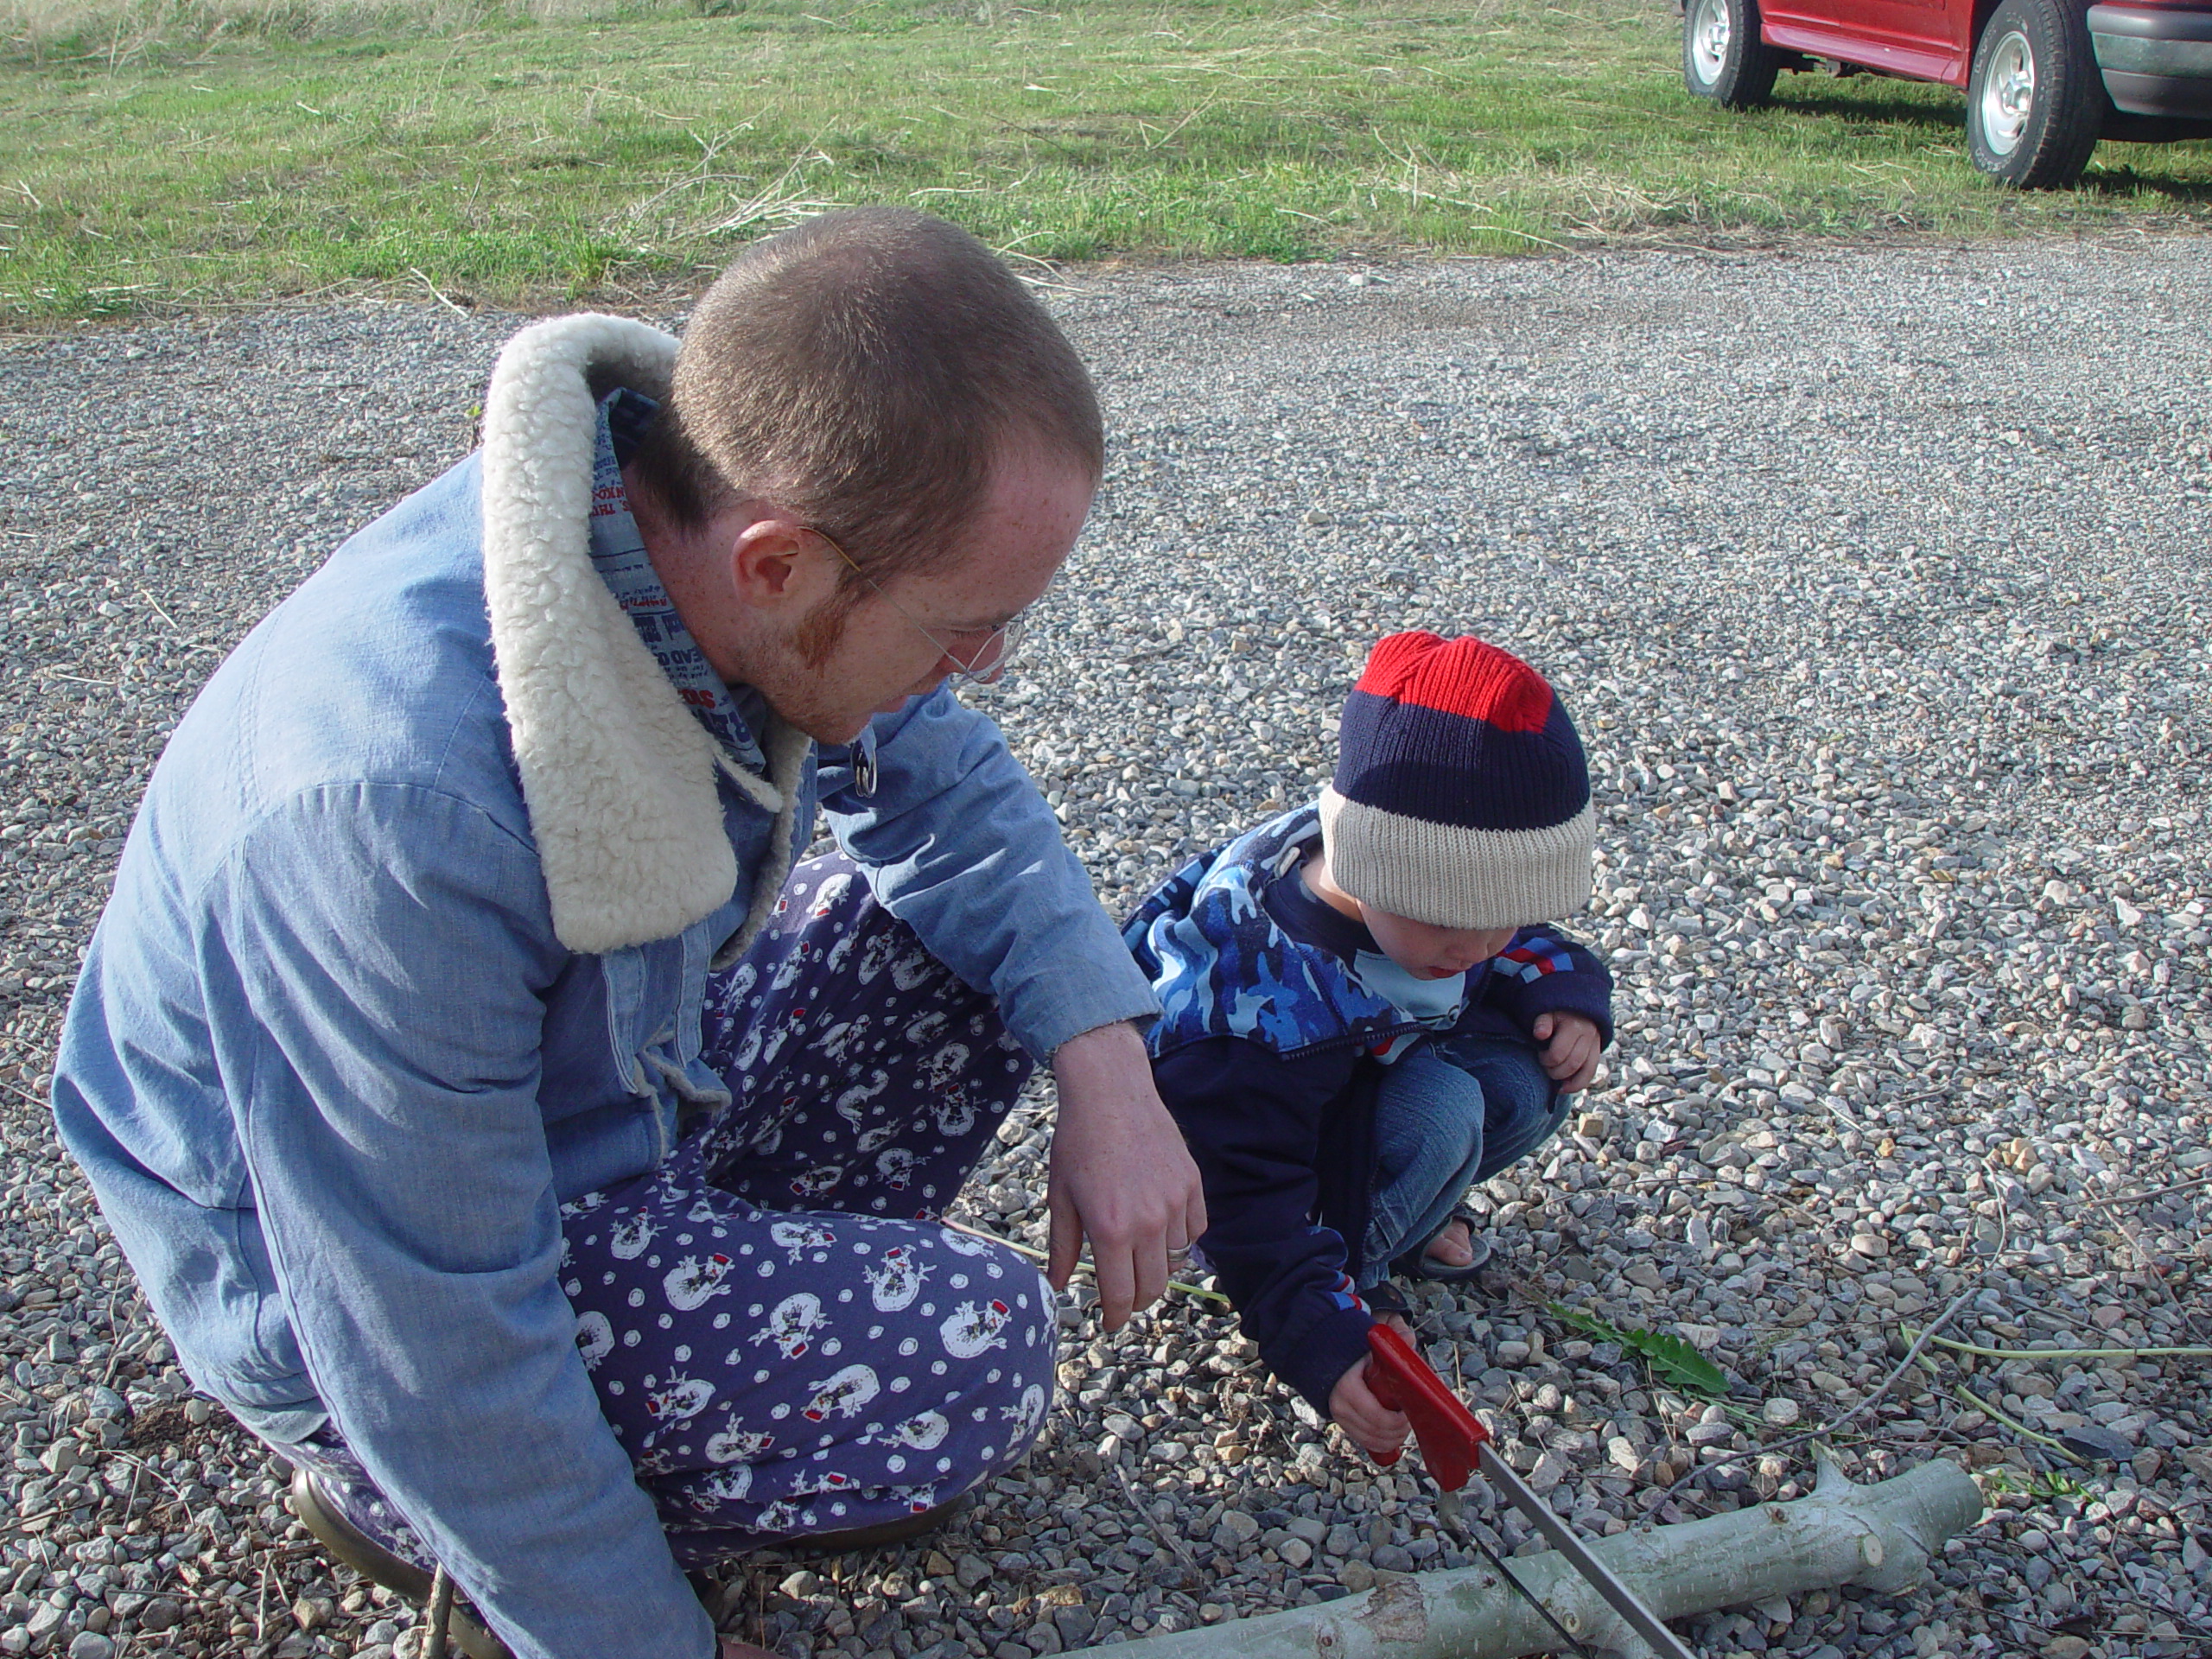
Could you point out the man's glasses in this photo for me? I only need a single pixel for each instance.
(980, 666)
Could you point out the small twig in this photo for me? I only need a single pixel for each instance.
(2014, 1423)
(176, 626)
(439, 1614)
(2154, 1192)
(1153, 143)
(457, 310)
(1826, 1429)
(141, 1465)
(1170, 1536)
(2066, 1353)
(1036, 1255)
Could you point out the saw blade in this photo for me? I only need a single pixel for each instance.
(1599, 1577)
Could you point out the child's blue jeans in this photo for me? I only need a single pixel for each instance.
(1447, 1115)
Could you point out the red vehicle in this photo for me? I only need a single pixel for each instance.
(2044, 79)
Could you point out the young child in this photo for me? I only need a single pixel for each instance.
(1362, 1014)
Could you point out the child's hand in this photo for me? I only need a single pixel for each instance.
(1354, 1408)
(1570, 1048)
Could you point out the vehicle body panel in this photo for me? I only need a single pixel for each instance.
(2155, 55)
(1923, 40)
(2157, 60)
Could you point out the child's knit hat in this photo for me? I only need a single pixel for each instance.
(1461, 797)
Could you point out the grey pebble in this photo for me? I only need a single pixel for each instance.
(2095, 1440)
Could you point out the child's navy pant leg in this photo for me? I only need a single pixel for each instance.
(781, 1334)
(1447, 1115)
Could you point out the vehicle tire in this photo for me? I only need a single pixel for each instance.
(2035, 102)
(1723, 58)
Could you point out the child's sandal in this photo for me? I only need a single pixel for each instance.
(1385, 1298)
(1418, 1264)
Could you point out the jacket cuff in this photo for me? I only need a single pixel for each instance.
(1089, 987)
(1321, 1353)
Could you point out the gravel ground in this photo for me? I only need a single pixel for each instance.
(1878, 583)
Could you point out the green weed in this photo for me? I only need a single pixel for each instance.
(2043, 1486)
(1672, 1361)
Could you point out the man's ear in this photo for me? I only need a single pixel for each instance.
(777, 563)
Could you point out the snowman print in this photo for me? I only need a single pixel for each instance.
(877, 957)
(692, 1282)
(843, 1395)
(956, 1116)
(852, 1103)
(817, 1181)
(594, 1338)
(974, 1327)
(942, 1071)
(831, 895)
(628, 1239)
(801, 1237)
(895, 1280)
(677, 1401)
(791, 1325)
(723, 1486)
(736, 1445)
(923, 1431)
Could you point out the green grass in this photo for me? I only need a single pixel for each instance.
(159, 154)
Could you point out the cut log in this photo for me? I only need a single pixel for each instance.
(1879, 1537)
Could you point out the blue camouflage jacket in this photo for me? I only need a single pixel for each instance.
(1269, 1049)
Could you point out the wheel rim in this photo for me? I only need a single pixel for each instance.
(2008, 93)
(1709, 34)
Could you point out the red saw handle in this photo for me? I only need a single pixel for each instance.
(1400, 1380)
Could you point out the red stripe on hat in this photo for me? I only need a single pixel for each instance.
(1465, 676)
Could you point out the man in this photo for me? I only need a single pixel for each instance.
(500, 1122)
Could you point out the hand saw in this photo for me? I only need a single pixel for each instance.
(1453, 1444)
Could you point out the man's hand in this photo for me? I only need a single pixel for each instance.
(1354, 1408)
(1120, 1174)
(1570, 1048)
(732, 1649)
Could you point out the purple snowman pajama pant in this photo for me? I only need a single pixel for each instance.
(781, 1334)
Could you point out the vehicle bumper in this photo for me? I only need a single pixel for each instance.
(2156, 60)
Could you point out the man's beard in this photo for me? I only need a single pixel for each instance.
(817, 636)
(801, 684)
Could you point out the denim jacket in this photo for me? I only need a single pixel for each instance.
(408, 946)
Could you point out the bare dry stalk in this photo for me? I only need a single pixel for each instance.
(1879, 1537)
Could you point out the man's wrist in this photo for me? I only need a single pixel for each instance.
(1095, 1039)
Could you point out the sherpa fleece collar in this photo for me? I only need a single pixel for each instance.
(618, 776)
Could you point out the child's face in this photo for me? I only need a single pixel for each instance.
(1430, 952)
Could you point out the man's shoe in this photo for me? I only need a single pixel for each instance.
(350, 1545)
